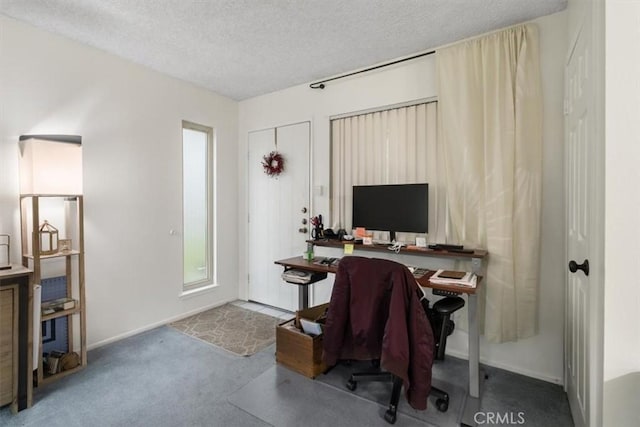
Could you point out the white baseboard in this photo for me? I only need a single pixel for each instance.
(157, 324)
(506, 367)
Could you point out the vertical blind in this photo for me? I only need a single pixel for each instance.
(395, 146)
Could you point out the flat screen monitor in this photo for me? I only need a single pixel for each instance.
(393, 208)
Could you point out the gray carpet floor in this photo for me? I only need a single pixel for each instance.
(165, 378)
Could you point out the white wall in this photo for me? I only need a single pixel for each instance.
(621, 370)
(130, 120)
(622, 207)
(540, 356)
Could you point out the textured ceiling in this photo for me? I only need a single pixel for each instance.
(245, 48)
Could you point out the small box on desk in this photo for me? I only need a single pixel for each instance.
(297, 350)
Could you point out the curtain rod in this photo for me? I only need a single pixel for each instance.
(320, 84)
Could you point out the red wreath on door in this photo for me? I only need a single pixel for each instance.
(273, 163)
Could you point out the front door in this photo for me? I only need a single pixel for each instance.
(278, 206)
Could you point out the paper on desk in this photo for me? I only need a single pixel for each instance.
(469, 280)
(348, 249)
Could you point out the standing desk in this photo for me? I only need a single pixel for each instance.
(472, 404)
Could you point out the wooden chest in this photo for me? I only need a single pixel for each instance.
(297, 350)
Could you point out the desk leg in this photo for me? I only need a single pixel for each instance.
(472, 404)
(471, 408)
(474, 348)
(303, 297)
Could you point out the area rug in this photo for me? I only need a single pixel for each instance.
(235, 329)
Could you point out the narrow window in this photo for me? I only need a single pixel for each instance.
(197, 195)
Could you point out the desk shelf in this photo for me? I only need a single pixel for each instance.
(477, 253)
(302, 264)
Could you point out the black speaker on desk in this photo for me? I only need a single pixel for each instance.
(332, 235)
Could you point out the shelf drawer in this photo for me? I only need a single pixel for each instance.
(8, 344)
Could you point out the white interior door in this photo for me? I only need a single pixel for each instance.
(580, 137)
(276, 205)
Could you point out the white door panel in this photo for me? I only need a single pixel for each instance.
(580, 137)
(260, 212)
(275, 211)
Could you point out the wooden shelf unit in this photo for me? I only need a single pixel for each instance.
(56, 255)
(30, 209)
(49, 378)
(60, 313)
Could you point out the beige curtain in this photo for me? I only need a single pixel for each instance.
(490, 125)
(396, 146)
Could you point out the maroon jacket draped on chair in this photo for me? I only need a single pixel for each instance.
(375, 313)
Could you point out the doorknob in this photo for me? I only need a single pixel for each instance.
(574, 266)
(304, 210)
(304, 221)
(303, 230)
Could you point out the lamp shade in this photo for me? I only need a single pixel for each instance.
(50, 165)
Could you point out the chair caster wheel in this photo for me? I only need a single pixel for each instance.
(442, 405)
(351, 385)
(390, 417)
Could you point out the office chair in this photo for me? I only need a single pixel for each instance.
(375, 313)
(440, 317)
